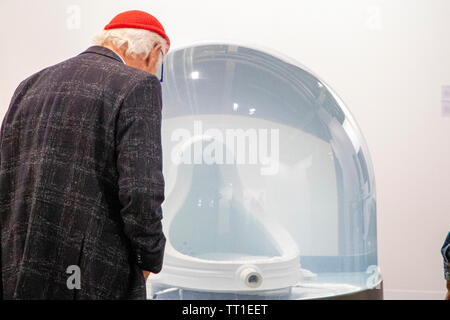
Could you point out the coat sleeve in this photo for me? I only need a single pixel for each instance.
(140, 177)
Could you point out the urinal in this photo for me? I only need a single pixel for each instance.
(305, 164)
(214, 242)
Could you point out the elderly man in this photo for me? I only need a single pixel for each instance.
(81, 183)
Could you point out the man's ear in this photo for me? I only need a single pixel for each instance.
(149, 58)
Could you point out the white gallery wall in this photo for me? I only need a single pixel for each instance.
(388, 61)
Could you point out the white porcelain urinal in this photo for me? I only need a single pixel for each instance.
(214, 243)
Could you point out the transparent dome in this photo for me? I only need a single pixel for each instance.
(270, 192)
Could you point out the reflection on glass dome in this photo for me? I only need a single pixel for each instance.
(270, 191)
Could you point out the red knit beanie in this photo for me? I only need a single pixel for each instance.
(138, 20)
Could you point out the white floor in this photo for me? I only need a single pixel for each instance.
(413, 295)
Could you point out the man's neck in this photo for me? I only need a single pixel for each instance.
(116, 52)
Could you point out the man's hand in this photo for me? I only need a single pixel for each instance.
(146, 274)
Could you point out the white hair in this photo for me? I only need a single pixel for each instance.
(140, 41)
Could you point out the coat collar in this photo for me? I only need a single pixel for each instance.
(104, 52)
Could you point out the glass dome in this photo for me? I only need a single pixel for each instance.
(270, 192)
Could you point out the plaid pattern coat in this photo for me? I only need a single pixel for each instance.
(81, 181)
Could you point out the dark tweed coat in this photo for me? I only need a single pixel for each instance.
(81, 181)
